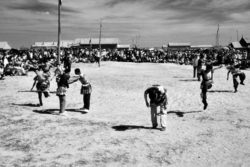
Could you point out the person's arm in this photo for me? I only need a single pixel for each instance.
(217, 68)
(228, 74)
(145, 98)
(74, 80)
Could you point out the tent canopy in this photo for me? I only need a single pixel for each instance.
(4, 46)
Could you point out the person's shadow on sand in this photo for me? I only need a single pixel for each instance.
(56, 111)
(132, 127)
(129, 127)
(188, 80)
(27, 105)
(181, 114)
(220, 91)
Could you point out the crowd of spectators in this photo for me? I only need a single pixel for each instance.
(16, 62)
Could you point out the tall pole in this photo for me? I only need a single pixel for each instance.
(59, 32)
(100, 49)
(237, 36)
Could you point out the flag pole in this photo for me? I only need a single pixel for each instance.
(100, 49)
(59, 32)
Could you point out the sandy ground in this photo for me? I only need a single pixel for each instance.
(117, 130)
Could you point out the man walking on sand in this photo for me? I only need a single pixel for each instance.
(158, 97)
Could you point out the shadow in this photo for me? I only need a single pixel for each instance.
(181, 114)
(76, 110)
(129, 127)
(27, 105)
(220, 91)
(27, 91)
(188, 80)
(178, 77)
(47, 111)
(56, 111)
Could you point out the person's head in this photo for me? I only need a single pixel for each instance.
(209, 67)
(201, 56)
(77, 71)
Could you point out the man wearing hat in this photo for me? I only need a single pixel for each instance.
(158, 97)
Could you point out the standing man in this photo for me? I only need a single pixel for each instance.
(195, 64)
(158, 97)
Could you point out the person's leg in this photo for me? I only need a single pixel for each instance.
(62, 99)
(154, 115)
(86, 100)
(235, 82)
(163, 116)
(195, 69)
(204, 96)
(198, 74)
(242, 78)
(40, 98)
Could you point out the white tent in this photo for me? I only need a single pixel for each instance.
(4, 46)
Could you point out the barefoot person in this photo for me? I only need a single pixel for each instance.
(158, 97)
(62, 80)
(207, 82)
(236, 72)
(42, 83)
(86, 89)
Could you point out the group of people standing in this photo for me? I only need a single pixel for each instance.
(62, 73)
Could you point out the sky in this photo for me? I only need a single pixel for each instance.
(147, 23)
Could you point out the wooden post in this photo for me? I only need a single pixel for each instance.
(100, 48)
(59, 33)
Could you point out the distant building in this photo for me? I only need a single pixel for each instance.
(4, 46)
(63, 44)
(245, 43)
(106, 43)
(123, 47)
(195, 47)
(178, 46)
(236, 45)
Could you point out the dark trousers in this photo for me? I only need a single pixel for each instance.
(86, 100)
(204, 88)
(62, 101)
(195, 69)
(242, 77)
(199, 73)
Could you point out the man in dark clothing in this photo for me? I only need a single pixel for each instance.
(67, 62)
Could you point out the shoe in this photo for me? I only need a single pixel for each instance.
(205, 106)
(242, 83)
(85, 110)
(63, 114)
(154, 127)
(163, 128)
